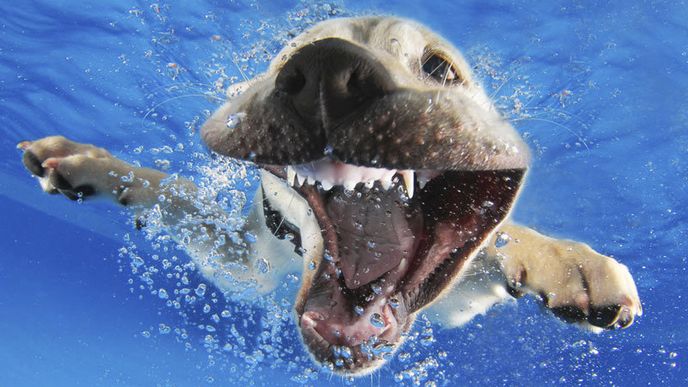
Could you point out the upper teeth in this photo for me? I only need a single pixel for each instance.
(409, 181)
(330, 174)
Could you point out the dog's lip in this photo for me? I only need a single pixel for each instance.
(434, 129)
(404, 129)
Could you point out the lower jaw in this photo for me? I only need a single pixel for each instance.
(461, 209)
(420, 284)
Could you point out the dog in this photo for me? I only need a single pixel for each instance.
(394, 174)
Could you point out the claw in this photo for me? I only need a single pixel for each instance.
(24, 145)
(625, 317)
(51, 163)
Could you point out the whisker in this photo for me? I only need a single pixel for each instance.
(494, 94)
(203, 86)
(151, 110)
(239, 68)
(578, 136)
(282, 221)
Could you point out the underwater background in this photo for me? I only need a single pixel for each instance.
(599, 90)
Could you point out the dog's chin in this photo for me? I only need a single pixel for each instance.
(394, 241)
(355, 359)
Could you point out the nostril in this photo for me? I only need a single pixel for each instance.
(291, 81)
(353, 85)
(363, 83)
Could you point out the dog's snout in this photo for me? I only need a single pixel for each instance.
(331, 78)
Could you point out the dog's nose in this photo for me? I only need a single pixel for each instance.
(331, 78)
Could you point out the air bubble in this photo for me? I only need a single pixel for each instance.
(200, 290)
(250, 238)
(502, 239)
(262, 265)
(345, 352)
(328, 150)
(164, 329)
(358, 310)
(377, 289)
(377, 321)
(233, 120)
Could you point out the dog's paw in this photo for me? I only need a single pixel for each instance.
(575, 282)
(72, 169)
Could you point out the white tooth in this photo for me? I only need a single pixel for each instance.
(300, 180)
(291, 175)
(349, 176)
(369, 175)
(311, 180)
(369, 184)
(424, 177)
(386, 179)
(422, 182)
(409, 183)
(350, 185)
(326, 184)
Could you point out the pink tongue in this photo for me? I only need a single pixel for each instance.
(375, 237)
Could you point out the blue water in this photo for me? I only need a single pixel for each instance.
(599, 90)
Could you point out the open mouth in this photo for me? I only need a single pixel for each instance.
(394, 240)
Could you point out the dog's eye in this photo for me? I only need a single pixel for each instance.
(440, 69)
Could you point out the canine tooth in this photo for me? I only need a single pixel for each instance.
(409, 183)
(326, 184)
(291, 175)
(300, 180)
(424, 177)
